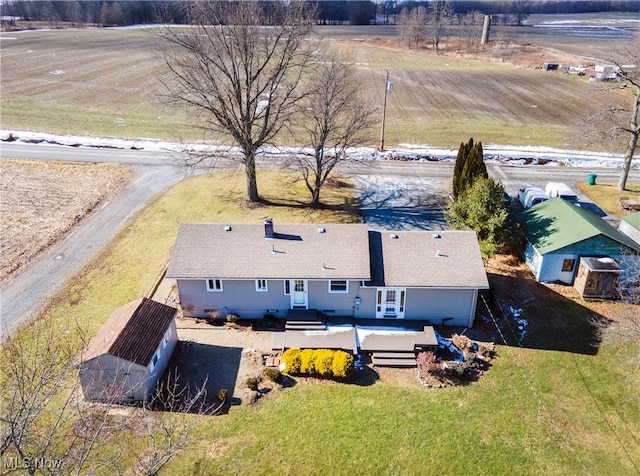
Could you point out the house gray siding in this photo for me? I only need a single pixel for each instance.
(240, 297)
(237, 296)
(428, 304)
(332, 304)
(438, 305)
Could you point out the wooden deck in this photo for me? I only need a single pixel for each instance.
(389, 347)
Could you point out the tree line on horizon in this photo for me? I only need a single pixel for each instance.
(354, 12)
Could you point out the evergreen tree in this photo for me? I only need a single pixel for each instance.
(468, 168)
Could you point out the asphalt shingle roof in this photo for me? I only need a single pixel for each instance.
(446, 259)
(335, 251)
(556, 223)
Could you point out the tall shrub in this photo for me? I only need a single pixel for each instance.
(468, 168)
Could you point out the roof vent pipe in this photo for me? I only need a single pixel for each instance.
(268, 229)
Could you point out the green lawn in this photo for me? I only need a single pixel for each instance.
(539, 409)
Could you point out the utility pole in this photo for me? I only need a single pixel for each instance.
(388, 86)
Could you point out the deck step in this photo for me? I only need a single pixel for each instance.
(395, 355)
(388, 362)
(305, 326)
(394, 359)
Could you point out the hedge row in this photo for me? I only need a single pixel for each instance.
(322, 362)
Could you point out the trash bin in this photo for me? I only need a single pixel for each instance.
(592, 179)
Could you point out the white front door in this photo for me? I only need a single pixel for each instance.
(390, 302)
(299, 294)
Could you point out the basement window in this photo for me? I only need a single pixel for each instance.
(568, 265)
(214, 285)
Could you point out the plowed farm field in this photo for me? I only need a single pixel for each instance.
(105, 82)
(41, 202)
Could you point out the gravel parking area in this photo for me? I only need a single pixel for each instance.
(223, 356)
(402, 203)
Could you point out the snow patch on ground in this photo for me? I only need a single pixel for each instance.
(363, 332)
(520, 322)
(494, 154)
(444, 343)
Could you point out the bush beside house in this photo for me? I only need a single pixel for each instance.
(318, 362)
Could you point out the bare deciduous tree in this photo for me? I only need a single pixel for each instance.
(336, 117)
(440, 11)
(618, 122)
(413, 25)
(238, 70)
(40, 415)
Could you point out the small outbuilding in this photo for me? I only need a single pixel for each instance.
(125, 359)
(597, 277)
(559, 234)
(630, 226)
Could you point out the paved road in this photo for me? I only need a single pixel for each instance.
(399, 195)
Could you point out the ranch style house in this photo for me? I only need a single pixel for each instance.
(341, 270)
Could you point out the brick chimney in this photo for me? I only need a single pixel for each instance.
(268, 229)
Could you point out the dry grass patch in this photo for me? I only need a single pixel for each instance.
(608, 197)
(43, 201)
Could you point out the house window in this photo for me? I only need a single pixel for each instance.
(379, 301)
(287, 287)
(338, 286)
(214, 285)
(261, 285)
(568, 264)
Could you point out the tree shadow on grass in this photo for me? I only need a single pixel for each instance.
(534, 316)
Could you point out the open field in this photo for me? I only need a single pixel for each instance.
(103, 83)
(41, 202)
(562, 399)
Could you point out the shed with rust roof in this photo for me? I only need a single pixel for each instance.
(125, 359)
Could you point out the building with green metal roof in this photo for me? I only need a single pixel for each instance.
(630, 226)
(559, 234)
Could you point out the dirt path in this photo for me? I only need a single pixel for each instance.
(29, 291)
